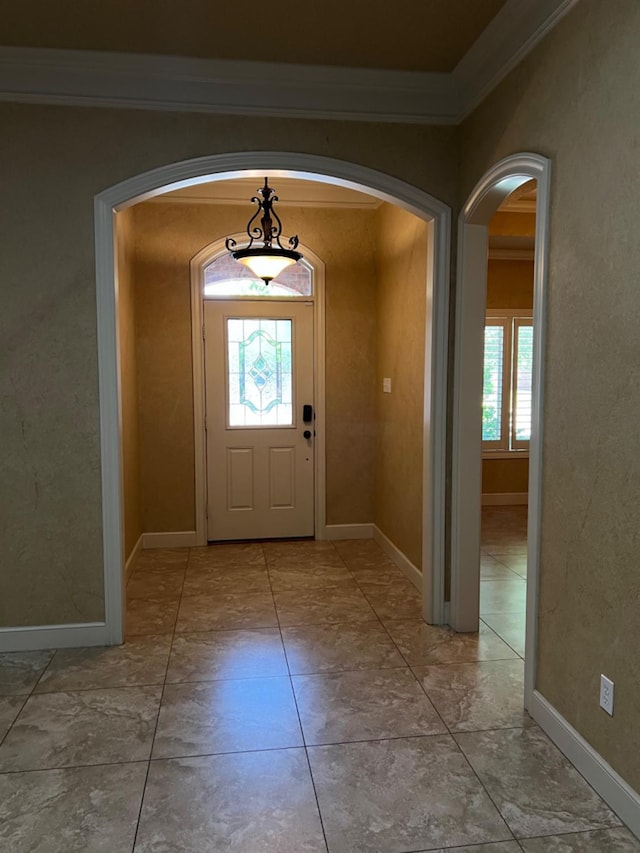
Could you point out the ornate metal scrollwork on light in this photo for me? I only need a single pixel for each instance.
(266, 261)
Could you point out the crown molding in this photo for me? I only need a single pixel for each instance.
(521, 205)
(172, 198)
(173, 83)
(511, 254)
(87, 78)
(517, 28)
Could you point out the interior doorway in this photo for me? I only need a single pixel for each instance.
(508, 175)
(324, 170)
(218, 281)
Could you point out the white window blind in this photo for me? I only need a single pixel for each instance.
(494, 340)
(506, 395)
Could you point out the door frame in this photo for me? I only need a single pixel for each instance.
(187, 173)
(197, 265)
(471, 291)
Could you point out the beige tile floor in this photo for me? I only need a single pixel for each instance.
(287, 698)
(503, 573)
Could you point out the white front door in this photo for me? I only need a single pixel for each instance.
(259, 419)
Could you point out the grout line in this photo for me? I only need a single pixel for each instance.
(295, 701)
(73, 767)
(24, 697)
(28, 695)
(155, 729)
(484, 787)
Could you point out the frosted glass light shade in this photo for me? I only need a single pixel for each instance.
(266, 263)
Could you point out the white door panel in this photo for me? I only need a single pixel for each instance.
(258, 376)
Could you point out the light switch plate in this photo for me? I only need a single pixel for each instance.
(386, 386)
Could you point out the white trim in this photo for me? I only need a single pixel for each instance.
(520, 205)
(517, 28)
(434, 429)
(399, 559)
(486, 197)
(236, 202)
(131, 559)
(505, 454)
(254, 164)
(54, 637)
(618, 795)
(197, 265)
(505, 499)
(110, 407)
(335, 532)
(173, 83)
(173, 539)
(511, 254)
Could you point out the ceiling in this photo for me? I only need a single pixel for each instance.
(413, 61)
(409, 35)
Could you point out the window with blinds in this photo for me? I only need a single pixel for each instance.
(506, 393)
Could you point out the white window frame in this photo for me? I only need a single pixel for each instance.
(511, 320)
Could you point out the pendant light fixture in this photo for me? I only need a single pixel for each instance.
(266, 261)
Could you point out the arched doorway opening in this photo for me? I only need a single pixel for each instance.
(505, 177)
(254, 164)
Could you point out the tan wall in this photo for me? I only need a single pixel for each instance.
(509, 285)
(50, 491)
(509, 223)
(128, 383)
(505, 475)
(574, 99)
(167, 237)
(402, 267)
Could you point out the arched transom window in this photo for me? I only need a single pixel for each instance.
(224, 277)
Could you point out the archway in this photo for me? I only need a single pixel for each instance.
(253, 164)
(492, 189)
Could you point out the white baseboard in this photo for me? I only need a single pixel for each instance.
(176, 539)
(398, 558)
(37, 637)
(131, 559)
(348, 531)
(618, 795)
(505, 499)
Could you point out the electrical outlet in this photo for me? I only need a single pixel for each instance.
(386, 386)
(606, 694)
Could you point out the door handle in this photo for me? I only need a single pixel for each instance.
(307, 433)
(307, 413)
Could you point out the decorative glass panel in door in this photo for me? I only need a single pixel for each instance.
(259, 378)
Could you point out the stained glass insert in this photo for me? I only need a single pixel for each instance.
(259, 372)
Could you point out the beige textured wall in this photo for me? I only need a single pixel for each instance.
(165, 395)
(509, 285)
(167, 237)
(575, 100)
(402, 268)
(128, 383)
(54, 161)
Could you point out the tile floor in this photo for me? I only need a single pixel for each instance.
(287, 698)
